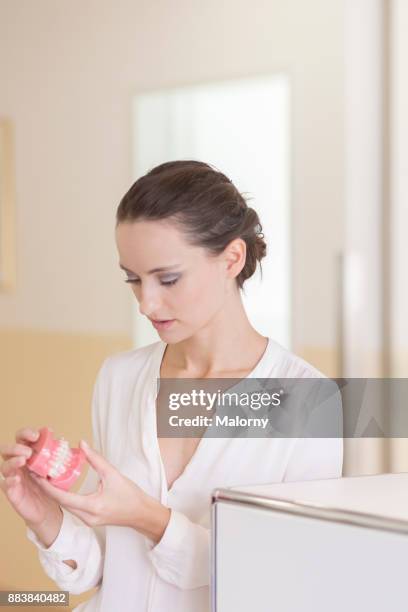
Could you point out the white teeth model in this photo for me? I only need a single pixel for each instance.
(60, 459)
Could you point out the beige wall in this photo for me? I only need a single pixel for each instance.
(69, 71)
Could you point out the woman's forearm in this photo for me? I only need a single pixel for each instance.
(154, 519)
(48, 530)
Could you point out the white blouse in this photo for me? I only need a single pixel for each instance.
(132, 573)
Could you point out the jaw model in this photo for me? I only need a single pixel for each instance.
(55, 460)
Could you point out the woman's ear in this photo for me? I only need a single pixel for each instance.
(235, 256)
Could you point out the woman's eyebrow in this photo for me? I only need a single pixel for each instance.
(161, 269)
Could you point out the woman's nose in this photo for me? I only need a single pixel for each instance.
(149, 303)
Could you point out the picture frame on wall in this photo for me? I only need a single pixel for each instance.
(7, 208)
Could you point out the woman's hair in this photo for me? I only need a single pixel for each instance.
(203, 202)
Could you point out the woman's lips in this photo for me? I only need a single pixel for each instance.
(162, 324)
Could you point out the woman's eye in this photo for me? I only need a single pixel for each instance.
(137, 280)
(170, 282)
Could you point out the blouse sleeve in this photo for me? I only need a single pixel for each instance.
(318, 454)
(182, 556)
(315, 459)
(76, 540)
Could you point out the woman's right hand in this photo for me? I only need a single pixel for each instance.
(19, 486)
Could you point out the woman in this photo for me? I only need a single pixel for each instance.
(139, 528)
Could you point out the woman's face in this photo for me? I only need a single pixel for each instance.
(174, 281)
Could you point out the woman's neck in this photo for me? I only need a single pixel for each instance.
(227, 345)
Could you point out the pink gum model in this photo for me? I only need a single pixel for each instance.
(55, 460)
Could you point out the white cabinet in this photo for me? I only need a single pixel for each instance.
(327, 545)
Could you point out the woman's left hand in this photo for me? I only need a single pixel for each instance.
(117, 501)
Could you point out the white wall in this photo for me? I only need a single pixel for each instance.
(364, 86)
(399, 180)
(399, 209)
(241, 127)
(69, 71)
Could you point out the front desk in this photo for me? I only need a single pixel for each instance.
(326, 545)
